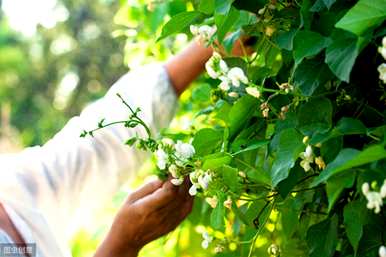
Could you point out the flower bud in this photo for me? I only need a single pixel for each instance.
(228, 203)
(212, 201)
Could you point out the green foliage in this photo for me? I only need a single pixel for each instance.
(294, 156)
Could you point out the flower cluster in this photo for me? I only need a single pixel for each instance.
(308, 157)
(382, 67)
(231, 78)
(203, 33)
(374, 199)
(174, 157)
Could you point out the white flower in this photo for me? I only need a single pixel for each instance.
(177, 181)
(233, 94)
(365, 188)
(223, 66)
(307, 158)
(382, 51)
(184, 151)
(224, 85)
(228, 203)
(162, 158)
(210, 69)
(382, 72)
(193, 190)
(253, 92)
(215, 66)
(374, 201)
(261, 11)
(382, 249)
(204, 180)
(383, 188)
(212, 201)
(384, 41)
(173, 169)
(204, 32)
(236, 75)
(194, 29)
(207, 240)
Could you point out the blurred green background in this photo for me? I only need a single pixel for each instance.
(58, 55)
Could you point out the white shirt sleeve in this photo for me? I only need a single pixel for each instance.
(70, 174)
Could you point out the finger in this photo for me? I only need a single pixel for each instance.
(145, 190)
(159, 198)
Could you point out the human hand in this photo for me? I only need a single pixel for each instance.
(150, 212)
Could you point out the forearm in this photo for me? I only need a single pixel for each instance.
(188, 65)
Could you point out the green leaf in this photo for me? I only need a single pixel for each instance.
(223, 6)
(218, 214)
(366, 14)
(322, 238)
(178, 23)
(206, 6)
(350, 126)
(354, 219)
(336, 185)
(290, 145)
(201, 93)
(341, 54)
(308, 43)
(232, 17)
(206, 141)
(216, 160)
(310, 75)
(315, 116)
(285, 186)
(241, 112)
(284, 39)
(230, 176)
(349, 158)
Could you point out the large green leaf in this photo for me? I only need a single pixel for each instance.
(311, 74)
(354, 219)
(349, 158)
(206, 141)
(366, 14)
(201, 93)
(289, 147)
(178, 23)
(216, 160)
(315, 116)
(308, 43)
(322, 238)
(336, 185)
(342, 53)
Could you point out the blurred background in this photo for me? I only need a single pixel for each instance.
(58, 55)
